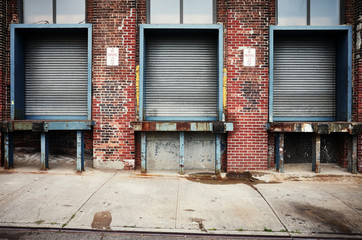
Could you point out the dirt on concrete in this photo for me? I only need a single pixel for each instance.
(327, 217)
(230, 178)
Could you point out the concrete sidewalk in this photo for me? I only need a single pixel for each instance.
(129, 201)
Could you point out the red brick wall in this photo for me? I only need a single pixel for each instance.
(12, 8)
(271, 143)
(247, 145)
(222, 17)
(272, 12)
(8, 9)
(141, 8)
(2, 60)
(3, 31)
(141, 19)
(358, 74)
(113, 108)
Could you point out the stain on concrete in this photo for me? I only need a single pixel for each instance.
(189, 210)
(231, 178)
(102, 220)
(200, 222)
(327, 217)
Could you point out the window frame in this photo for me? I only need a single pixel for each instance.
(341, 12)
(54, 12)
(148, 12)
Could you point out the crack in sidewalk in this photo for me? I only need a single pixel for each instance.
(70, 219)
(276, 215)
(177, 202)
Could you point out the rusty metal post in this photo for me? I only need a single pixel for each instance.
(182, 153)
(217, 154)
(44, 147)
(270, 150)
(317, 153)
(349, 143)
(8, 150)
(354, 154)
(143, 152)
(80, 151)
(313, 152)
(281, 153)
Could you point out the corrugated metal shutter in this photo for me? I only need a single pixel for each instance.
(304, 78)
(181, 76)
(56, 70)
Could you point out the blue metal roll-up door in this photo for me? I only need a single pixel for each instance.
(181, 76)
(56, 76)
(304, 84)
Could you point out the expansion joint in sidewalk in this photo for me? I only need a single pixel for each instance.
(276, 215)
(85, 202)
(177, 202)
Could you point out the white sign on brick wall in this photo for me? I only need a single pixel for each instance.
(249, 57)
(112, 56)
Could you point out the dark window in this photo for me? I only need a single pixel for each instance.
(181, 11)
(309, 12)
(53, 11)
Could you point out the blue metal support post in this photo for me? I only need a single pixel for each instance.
(80, 151)
(9, 151)
(217, 154)
(281, 152)
(182, 153)
(44, 158)
(143, 152)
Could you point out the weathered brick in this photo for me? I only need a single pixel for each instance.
(246, 23)
(247, 86)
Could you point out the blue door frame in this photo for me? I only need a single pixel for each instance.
(344, 70)
(149, 27)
